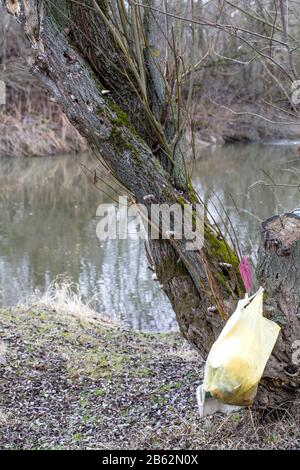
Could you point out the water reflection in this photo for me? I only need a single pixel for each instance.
(226, 176)
(48, 226)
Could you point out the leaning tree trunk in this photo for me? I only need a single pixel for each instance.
(76, 59)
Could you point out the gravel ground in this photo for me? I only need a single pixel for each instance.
(69, 383)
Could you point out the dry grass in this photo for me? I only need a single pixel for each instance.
(69, 383)
(63, 296)
(30, 124)
(38, 135)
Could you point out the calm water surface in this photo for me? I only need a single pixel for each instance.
(48, 226)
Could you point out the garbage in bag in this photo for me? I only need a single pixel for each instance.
(237, 359)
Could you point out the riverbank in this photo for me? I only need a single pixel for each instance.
(38, 134)
(233, 101)
(77, 382)
(216, 123)
(31, 124)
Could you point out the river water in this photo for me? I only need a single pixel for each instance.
(48, 226)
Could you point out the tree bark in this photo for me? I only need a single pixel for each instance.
(76, 58)
(278, 271)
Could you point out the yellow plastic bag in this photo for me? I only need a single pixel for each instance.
(237, 359)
